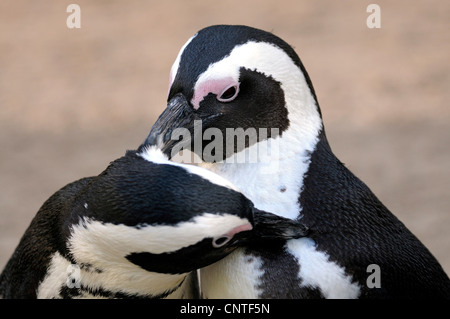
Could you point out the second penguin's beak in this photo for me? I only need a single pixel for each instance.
(271, 226)
(265, 227)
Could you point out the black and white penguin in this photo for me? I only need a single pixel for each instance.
(241, 79)
(140, 229)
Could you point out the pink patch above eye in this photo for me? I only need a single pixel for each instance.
(217, 87)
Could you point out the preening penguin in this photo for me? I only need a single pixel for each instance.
(140, 229)
(227, 78)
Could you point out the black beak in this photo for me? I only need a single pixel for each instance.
(269, 229)
(271, 226)
(178, 127)
(177, 120)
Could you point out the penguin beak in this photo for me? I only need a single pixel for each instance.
(271, 226)
(178, 125)
(264, 226)
(177, 115)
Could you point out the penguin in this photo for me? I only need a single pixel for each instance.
(239, 82)
(140, 229)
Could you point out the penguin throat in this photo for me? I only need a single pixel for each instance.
(274, 185)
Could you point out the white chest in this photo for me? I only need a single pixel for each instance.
(270, 185)
(273, 187)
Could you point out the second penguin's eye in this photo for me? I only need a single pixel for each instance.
(221, 241)
(229, 94)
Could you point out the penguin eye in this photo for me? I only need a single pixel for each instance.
(229, 94)
(221, 241)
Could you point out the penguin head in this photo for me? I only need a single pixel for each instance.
(145, 213)
(228, 81)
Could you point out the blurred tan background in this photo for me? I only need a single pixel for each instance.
(72, 100)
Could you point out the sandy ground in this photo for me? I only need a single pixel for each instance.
(72, 100)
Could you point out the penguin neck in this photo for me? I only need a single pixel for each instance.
(275, 183)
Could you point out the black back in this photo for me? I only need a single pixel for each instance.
(132, 191)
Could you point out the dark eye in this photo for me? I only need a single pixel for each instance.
(229, 94)
(220, 241)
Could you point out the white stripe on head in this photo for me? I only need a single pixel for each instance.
(176, 63)
(116, 241)
(272, 61)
